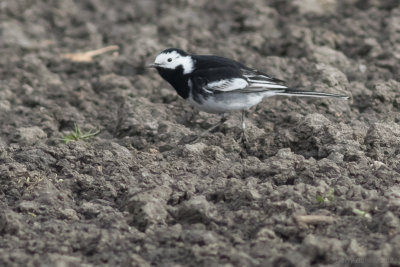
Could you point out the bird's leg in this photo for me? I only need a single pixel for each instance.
(243, 118)
(193, 115)
(222, 121)
(243, 138)
(209, 130)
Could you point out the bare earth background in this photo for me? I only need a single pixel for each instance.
(139, 195)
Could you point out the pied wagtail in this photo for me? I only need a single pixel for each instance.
(220, 85)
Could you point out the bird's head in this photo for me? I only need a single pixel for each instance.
(173, 58)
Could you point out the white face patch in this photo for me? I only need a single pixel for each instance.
(173, 59)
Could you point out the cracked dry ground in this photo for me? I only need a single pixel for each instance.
(319, 184)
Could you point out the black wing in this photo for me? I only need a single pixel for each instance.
(258, 76)
(222, 74)
(222, 79)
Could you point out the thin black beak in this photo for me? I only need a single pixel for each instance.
(152, 65)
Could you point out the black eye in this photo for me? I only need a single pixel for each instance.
(169, 60)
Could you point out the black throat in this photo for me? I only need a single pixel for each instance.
(177, 79)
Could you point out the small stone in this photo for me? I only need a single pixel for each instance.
(196, 148)
(355, 248)
(197, 210)
(30, 135)
(5, 105)
(319, 7)
(70, 214)
(148, 208)
(12, 34)
(28, 206)
(266, 234)
(329, 56)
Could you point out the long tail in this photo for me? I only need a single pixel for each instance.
(295, 92)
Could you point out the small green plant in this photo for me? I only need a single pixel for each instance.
(330, 197)
(320, 199)
(31, 180)
(361, 213)
(77, 134)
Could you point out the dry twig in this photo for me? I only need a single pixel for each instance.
(314, 219)
(88, 55)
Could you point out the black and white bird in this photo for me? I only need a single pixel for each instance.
(220, 85)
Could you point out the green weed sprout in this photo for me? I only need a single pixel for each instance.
(78, 134)
(330, 197)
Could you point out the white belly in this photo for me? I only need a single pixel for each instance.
(221, 103)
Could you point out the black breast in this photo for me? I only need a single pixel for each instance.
(177, 79)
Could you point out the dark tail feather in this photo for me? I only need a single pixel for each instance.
(295, 92)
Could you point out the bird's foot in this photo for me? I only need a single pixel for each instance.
(244, 140)
(208, 131)
(191, 119)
